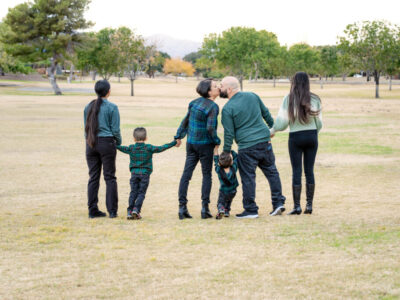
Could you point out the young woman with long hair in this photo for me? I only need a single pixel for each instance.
(102, 132)
(301, 111)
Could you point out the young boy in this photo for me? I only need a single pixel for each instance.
(141, 166)
(226, 168)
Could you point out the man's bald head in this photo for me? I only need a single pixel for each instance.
(231, 82)
(229, 87)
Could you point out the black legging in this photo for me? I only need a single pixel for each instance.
(303, 142)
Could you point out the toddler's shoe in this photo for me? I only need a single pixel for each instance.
(220, 213)
(135, 214)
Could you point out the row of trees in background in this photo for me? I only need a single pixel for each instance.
(49, 33)
(245, 52)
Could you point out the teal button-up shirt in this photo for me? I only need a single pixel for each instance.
(108, 120)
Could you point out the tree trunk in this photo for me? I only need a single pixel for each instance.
(390, 82)
(52, 77)
(71, 71)
(119, 77)
(132, 93)
(326, 77)
(274, 81)
(321, 83)
(241, 82)
(256, 73)
(331, 78)
(368, 76)
(94, 73)
(344, 76)
(176, 79)
(376, 76)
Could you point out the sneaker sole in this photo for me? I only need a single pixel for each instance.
(248, 217)
(278, 211)
(135, 217)
(219, 216)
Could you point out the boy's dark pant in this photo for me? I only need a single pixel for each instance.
(194, 153)
(225, 199)
(262, 156)
(103, 154)
(139, 184)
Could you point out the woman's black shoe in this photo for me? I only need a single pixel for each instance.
(183, 213)
(113, 215)
(310, 197)
(295, 211)
(296, 189)
(97, 214)
(205, 212)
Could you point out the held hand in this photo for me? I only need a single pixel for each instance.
(272, 135)
(178, 143)
(216, 149)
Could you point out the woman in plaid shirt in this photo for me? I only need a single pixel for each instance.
(200, 125)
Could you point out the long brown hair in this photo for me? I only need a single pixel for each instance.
(102, 87)
(300, 99)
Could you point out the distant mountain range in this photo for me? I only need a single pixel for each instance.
(174, 47)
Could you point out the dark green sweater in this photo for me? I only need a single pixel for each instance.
(244, 118)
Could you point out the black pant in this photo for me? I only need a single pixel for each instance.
(103, 154)
(194, 153)
(303, 143)
(262, 156)
(225, 199)
(139, 184)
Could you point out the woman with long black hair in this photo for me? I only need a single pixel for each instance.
(301, 111)
(102, 133)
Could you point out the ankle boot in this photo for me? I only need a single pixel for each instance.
(205, 211)
(183, 212)
(310, 196)
(296, 189)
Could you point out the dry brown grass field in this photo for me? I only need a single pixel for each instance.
(348, 248)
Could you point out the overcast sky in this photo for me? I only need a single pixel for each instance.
(317, 22)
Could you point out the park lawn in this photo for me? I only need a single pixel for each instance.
(348, 248)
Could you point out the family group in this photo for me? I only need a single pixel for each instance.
(245, 120)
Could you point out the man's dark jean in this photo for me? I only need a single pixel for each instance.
(194, 154)
(139, 184)
(262, 156)
(103, 154)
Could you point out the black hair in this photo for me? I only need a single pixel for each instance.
(300, 99)
(204, 87)
(102, 87)
(225, 159)
(140, 134)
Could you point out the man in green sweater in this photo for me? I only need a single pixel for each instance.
(245, 119)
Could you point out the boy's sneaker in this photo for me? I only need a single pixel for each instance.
(129, 215)
(221, 212)
(247, 215)
(135, 214)
(277, 211)
(226, 213)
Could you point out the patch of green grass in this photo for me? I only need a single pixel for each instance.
(352, 144)
(359, 125)
(169, 123)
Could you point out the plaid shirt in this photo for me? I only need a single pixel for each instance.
(141, 156)
(200, 123)
(228, 181)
